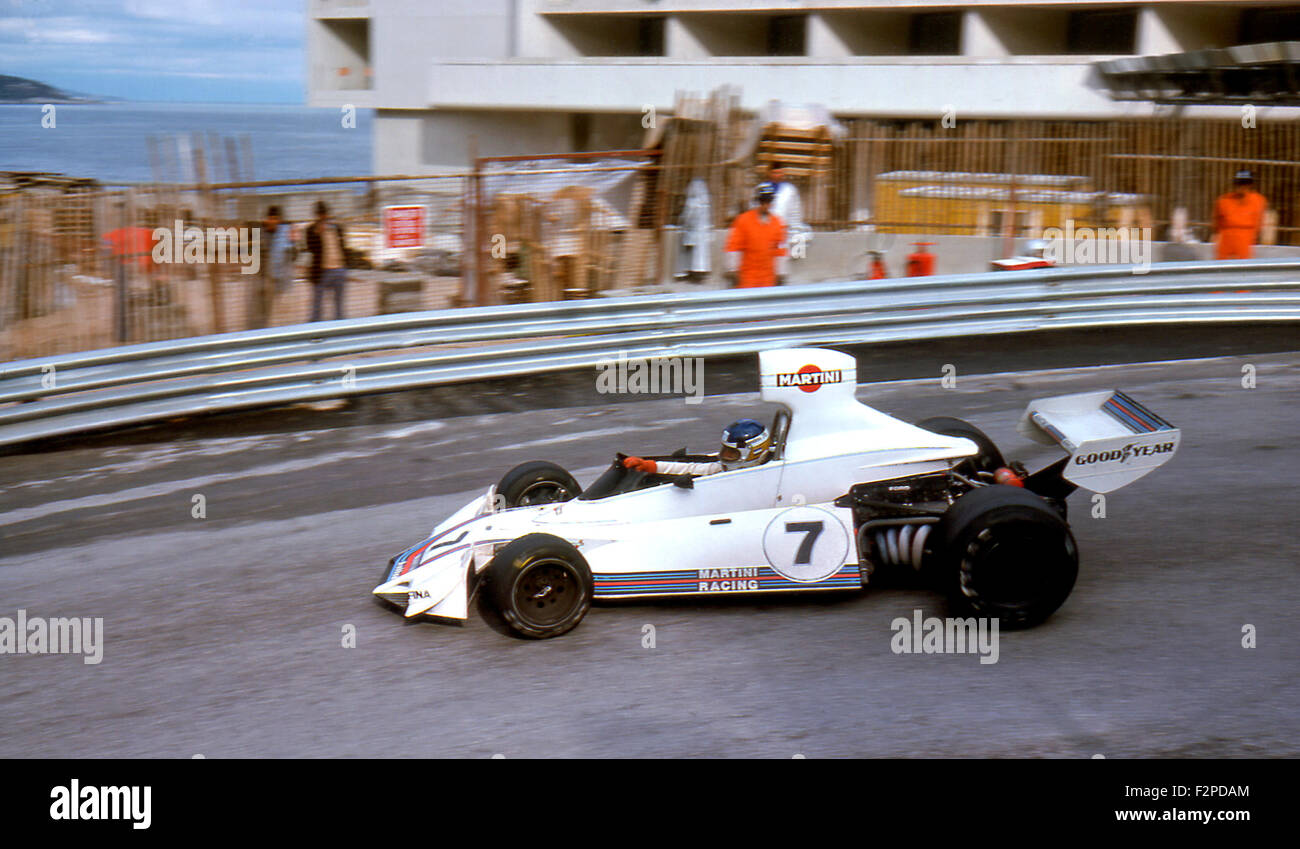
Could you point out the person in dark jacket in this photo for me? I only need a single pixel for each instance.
(328, 269)
(261, 289)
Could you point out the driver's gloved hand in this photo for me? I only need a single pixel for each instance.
(639, 464)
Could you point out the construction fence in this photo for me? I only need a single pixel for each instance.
(554, 233)
(78, 270)
(1015, 178)
(84, 266)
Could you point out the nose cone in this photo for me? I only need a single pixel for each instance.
(440, 582)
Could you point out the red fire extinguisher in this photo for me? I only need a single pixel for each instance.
(920, 263)
(877, 271)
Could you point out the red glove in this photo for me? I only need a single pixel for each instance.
(639, 464)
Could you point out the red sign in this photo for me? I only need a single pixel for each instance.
(403, 227)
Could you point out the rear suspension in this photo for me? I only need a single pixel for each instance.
(895, 542)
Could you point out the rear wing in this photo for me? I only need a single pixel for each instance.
(1112, 439)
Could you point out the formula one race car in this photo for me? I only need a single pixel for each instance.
(846, 490)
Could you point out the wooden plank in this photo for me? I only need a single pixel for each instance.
(795, 159)
(785, 144)
(773, 129)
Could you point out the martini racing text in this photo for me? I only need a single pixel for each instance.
(728, 580)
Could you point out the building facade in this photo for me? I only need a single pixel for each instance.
(451, 78)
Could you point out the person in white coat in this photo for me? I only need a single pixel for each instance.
(696, 256)
(788, 206)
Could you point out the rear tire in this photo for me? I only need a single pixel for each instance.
(537, 482)
(1003, 552)
(541, 585)
(989, 457)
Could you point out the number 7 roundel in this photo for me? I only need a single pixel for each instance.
(805, 544)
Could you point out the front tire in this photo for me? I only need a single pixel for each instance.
(1003, 552)
(537, 482)
(541, 585)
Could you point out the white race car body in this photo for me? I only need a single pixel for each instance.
(770, 528)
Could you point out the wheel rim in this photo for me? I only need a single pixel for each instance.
(547, 592)
(544, 492)
(1018, 568)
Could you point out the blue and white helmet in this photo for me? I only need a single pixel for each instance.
(745, 443)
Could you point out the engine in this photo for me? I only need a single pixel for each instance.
(894, 518)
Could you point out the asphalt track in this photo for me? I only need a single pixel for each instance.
(223, 635)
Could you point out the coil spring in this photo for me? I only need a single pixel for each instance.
(901, 545)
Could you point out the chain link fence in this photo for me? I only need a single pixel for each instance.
(1014, 178)
(563, 226)
(85, 266)
(80, 266)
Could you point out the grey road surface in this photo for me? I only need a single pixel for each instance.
(223, 635)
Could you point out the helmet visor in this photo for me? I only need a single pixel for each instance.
(729, 452)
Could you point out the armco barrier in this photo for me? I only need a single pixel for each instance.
(139, 383)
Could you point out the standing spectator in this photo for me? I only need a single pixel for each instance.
(261, 291)
(788, 206)
(1238, 215)
(756, 243)
(284, 250)
(328, 272)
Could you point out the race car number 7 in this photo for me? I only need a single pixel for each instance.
(805, 544)
(813, 530)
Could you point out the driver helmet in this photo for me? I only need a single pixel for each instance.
(765, 193)
(745, 443)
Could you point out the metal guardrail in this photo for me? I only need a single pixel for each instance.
(56, 396)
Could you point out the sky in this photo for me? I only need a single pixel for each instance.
(225, 51)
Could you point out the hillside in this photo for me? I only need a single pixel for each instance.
(22, 90)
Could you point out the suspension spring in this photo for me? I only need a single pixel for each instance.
(896, 542)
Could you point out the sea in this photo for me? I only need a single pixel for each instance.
(109, 141)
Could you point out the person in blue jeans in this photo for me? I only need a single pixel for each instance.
(328, 267)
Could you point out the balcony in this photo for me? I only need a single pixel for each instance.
(877, 85)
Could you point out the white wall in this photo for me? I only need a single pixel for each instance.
(396, 142)
(407, 34)
(855, 87)
(423, 141)
(446, 135)
(559, 7)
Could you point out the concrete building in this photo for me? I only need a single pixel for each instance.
(532, 76)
